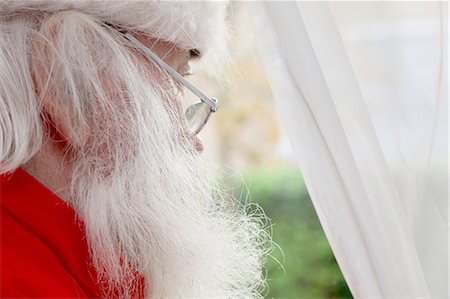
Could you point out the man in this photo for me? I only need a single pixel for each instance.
(103, 190)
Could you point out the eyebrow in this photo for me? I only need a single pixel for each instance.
(194, 54)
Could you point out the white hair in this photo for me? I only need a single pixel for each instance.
(190, 25)
(141, 190)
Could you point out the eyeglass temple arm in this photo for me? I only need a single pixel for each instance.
(210, 101)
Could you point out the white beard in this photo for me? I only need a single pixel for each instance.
(157, 209)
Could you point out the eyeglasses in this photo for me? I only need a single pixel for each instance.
(197, 114)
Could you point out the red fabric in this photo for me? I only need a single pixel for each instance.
(44, 253)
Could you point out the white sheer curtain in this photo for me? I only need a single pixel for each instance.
(362, 88)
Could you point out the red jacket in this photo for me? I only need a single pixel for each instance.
(44, 253)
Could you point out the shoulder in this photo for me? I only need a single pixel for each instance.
(29, 270)
(43, 250)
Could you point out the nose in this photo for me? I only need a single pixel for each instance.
(198, 144)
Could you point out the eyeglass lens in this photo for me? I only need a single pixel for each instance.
(197, 115)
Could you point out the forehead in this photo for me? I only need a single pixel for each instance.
(161, 47)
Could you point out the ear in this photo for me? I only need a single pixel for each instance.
(64, 119)
(45, 68)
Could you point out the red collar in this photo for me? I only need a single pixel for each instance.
(44, 252)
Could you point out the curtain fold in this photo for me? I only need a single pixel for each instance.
(370, 205)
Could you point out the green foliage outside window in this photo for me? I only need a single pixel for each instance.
(310, 269)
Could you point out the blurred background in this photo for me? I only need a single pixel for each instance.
(246, 140)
